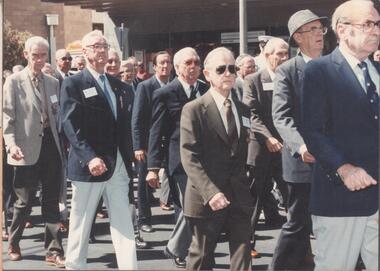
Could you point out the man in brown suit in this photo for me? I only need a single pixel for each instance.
(214, 132)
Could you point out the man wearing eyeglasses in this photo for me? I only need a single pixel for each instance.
(341, 128)
(63, 60)
(168, 102)
(214, 133)
(96, 120)
(265, 146)
(293, 250)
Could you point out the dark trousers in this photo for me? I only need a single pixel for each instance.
(268, 168)
(205, 235)
(47, 170)
(294, 241)
(144, 194)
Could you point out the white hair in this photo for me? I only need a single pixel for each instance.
(241, 58)
(36, 41)
(181, 54)
(61, 53)
(344, 12)
(215, 52)
(272, 44)
(87, 39)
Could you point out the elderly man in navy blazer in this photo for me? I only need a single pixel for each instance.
(293, 248)
(96, 120)
(341, 128)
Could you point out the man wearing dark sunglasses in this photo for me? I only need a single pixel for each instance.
(265, 146)
(293, 248)
(214, 133)
(168, 102)
(63, 60)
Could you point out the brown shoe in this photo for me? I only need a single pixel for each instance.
(55, 259)
(28, 224)
(166, 207)
(14, 253)
(255, 254)
(63, 227)
(101, 214)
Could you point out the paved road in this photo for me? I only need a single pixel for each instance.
(101, 254)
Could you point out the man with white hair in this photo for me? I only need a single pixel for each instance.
(246, 65)
(214, 133)
(340, 124)
(265, 146)
(30, 108)
(63, 60)
(95, 117)
(168, 102)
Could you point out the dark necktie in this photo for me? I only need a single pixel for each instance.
(35, 83)
(372, 95)
(107, 94)
(193, 93)
(231, 124)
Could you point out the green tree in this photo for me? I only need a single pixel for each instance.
(13, 46)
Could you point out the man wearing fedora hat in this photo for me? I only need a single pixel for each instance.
(293, 248)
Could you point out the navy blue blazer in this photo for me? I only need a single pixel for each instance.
(339, 127)
(286, 113)
(90, 126)
(168, 102)
(142, 112)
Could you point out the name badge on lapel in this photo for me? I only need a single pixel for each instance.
(53, 99)
(268, 86)
(90, 92)
(246, 122)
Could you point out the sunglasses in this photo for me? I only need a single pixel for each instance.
(65, 58)
(232, 69)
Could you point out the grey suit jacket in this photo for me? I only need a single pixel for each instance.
(286, 112)
(22, 118)
(257, 95)
(211, 164)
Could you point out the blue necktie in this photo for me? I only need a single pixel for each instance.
(372, 95)
(107, 94)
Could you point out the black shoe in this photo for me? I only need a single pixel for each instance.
(277, 220)
(92, 240)
(140, 243)
(146, 228)
(179, 263)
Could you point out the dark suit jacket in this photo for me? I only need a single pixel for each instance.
(238, 88)
(91, 128)
(142, 113)
(58, 75)
(210, 163)
(168, 102)
(259, 100)
(286, 113)
(339, 127)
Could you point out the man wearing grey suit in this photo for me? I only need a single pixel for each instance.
(214, 133)
(265, 146)
(30, 109)
(293, 247)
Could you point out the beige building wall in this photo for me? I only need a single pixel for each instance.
(29, 15)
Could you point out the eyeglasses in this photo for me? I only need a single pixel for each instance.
(110, 61)
(192, 61)
(98, 46)
(232, 69)
(368, 26)
(65, 58)
(316, 30)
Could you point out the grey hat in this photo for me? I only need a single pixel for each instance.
(300, 18)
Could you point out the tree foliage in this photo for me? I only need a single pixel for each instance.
(13, 46)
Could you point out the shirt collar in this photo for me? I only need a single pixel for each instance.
(305, 57)
(30, 73)
(271, 73)
(95, 74)
(160, 82)
(219, 98)
(352, 61)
